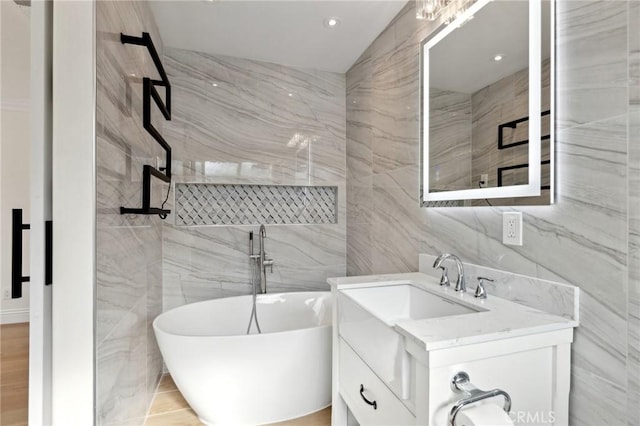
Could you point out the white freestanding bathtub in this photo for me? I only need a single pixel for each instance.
(230, 378)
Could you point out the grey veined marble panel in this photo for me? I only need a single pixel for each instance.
(589, 238)
(242, 122)
(128, 248)
(213, 204)
(633, 310)
(277, 124)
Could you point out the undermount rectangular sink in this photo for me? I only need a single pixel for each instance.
(367, 316)
(394, 303)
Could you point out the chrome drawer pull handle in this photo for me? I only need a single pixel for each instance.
(375, 405)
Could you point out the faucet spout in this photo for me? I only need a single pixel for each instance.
(461, 286)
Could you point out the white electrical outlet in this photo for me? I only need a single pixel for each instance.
(484, 180)
(512, 228)
(7, 294)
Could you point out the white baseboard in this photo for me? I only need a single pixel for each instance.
(12, 316)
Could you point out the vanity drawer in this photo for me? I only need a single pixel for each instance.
(354, 373)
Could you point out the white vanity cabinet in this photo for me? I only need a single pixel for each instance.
(389, 350)
(361, 383)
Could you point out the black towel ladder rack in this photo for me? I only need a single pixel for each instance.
(149, 92)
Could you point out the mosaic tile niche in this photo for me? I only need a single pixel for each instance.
(201, 204)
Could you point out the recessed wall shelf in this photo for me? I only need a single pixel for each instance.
(149, 92)
(201, 204)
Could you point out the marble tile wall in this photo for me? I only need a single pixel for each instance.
(250, 122)
(588, 238)
(128, 248)
(556, 298)
(450, 125)
(501, 102)
(633, 312)
(464, 130)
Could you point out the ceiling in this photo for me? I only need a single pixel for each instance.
(284, 32)
(463, 60)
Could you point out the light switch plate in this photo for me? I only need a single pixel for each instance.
(512, 228)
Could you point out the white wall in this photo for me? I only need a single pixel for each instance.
(14, 148)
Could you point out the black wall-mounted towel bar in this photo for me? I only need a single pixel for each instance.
(149, 92)
(512, 125)
(501, 171)
(147, 172)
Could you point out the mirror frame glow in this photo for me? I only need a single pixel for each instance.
(535, 69)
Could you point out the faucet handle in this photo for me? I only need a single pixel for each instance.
(444, 279)
(481, 292)
(269, 263)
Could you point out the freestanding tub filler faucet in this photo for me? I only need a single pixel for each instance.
(258, 262)
(460, 282)
(263, 261)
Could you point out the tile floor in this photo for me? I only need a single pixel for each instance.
(170, 408)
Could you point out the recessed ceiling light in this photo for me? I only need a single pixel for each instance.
(214, 84)
(290, 94)
(331, 22)
(498, 57)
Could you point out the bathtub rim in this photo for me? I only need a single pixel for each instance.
(158, 329)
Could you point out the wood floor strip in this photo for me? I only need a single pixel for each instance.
(14, 374)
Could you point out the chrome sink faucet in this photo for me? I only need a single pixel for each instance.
(461, 286)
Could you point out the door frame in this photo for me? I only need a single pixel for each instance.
(40, 211)
(74, 213)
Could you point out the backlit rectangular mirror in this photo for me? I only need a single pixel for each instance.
(487, 107)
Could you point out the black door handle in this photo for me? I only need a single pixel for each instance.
(48, 252)
(16, 254)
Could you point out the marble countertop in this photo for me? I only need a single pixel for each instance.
(498, 318)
